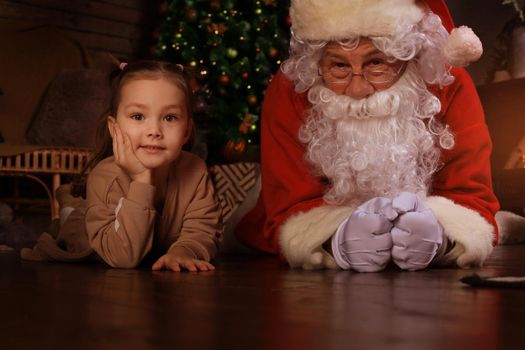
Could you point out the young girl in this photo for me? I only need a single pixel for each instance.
(145, 195)
(152, 195)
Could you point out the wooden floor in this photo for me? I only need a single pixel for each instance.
(257, 303)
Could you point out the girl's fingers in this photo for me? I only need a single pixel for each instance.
(177, 264)
(124, 150)
(120, 143)
(159, 264)
(204, 266)
(115, 143)
(128, 147)
(121, 134)
(174, 266)
(201, 266)
(189, 265)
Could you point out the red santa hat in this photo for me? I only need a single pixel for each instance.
(341, 19)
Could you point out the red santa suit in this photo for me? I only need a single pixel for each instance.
(292, 219)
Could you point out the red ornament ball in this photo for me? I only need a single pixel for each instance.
(224, 79)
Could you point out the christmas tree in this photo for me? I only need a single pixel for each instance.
(233, 47)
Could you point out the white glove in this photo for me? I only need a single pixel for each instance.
(416, 235)
(363, 242)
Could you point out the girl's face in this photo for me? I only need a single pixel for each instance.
(152, 112)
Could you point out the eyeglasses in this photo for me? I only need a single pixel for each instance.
(335, 74)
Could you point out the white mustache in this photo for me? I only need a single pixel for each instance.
(380, 104)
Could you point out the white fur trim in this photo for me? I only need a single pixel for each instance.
(462, 47)
(303, 235)
(466, 228)
(341, 19)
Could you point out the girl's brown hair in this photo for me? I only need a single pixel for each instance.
(144, 69)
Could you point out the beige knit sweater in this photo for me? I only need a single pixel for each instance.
(122, 225)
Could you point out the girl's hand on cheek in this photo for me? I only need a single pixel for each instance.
(180, 261)
(126, 158)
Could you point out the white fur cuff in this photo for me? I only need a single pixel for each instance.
(303, 235)
(465, 227)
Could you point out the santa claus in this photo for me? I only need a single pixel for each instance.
(374, 145)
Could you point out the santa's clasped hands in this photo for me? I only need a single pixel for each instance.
(403, 230)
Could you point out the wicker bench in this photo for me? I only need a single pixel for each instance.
(53, 161)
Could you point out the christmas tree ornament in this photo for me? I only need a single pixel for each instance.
(190, 14)
(231, 52)
(247, 123)
(217, 28)
(252, 99)
(224, 79)
(234, 150)
(215, 4)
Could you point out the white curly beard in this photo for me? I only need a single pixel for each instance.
(378, 146)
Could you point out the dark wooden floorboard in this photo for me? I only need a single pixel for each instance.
(257, 303)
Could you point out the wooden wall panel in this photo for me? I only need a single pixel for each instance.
(121, 27)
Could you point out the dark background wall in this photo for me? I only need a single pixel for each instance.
(121, 27)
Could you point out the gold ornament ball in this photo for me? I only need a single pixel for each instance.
(231, 52)
(191, 14)
(252, 100)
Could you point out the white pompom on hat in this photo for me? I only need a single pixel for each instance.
(462, 47)
(342, 19)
